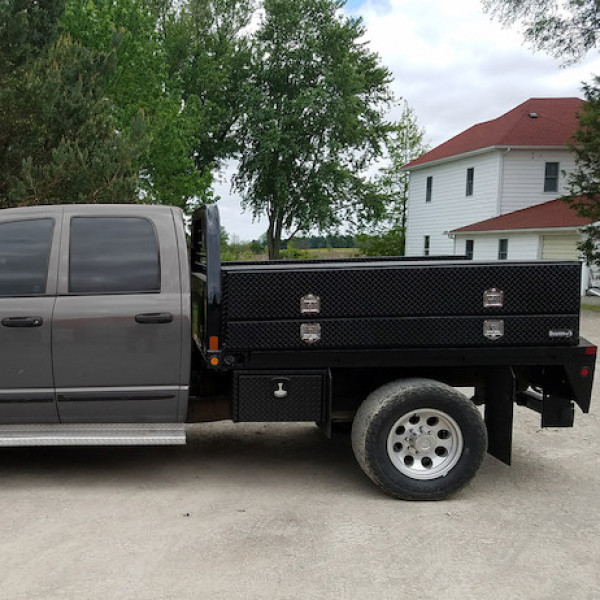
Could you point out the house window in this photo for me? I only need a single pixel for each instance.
(502, 249)
(551, 177)
(428, 189)
(469, 248)
(426, 242)
(470, 179)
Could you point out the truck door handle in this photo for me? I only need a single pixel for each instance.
(22, 322)
(164, 317)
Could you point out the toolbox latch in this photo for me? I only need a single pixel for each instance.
(310, 304)
(493, 298)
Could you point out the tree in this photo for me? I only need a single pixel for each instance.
(584, 181)
(58, 141)
(27, 29)
(405, 143)
(181, 65)
(388, 243)
(313, 120)
(566, 29)
(569, 29)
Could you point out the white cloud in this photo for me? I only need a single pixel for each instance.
(455, 67)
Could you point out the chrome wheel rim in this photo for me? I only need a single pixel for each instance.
(425, 444)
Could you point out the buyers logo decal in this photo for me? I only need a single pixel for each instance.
(561, 333)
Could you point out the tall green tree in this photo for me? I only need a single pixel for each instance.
(58, 141)
(312, 120)
(566, 29)
(27, 29)
(180, 65)
(79, 157)
(405, 142)
(584, 181)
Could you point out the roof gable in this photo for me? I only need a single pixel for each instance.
(537, 122)
(555, 213)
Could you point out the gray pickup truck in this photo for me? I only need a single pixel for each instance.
(116, 331)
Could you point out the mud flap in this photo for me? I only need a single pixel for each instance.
(499, 409)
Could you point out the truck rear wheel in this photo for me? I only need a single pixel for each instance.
(419, 439)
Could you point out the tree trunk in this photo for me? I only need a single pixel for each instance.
(272, 239)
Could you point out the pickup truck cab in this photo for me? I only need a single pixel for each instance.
(95, 314)
(110, 334)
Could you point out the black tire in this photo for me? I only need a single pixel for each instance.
(396, 439)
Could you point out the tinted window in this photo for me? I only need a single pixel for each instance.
(470, 180)
(428, 188)
(551, 177)
(469, 248)
(502, 249)
(113, 255)
(24, 252)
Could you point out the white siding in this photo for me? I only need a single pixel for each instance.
(522, 182)
(525, 246)
(450, 208)
(521, 246)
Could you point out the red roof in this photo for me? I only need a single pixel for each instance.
(554, 124)
(555, 213)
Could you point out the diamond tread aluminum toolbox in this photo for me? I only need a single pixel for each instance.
(381, 303)
(399, 304)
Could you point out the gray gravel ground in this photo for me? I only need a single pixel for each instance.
(276, 511)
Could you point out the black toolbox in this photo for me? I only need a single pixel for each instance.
(398, 304)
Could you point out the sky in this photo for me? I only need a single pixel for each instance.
(455, 67)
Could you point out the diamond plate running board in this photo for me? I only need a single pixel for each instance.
(93, 434)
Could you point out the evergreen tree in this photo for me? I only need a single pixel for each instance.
(58, 141)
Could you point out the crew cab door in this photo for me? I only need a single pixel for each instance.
(117, 321)
(28, 260)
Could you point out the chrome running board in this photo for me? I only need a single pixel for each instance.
(93, 434)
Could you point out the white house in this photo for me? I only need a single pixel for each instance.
(547, 231)
(498, 168)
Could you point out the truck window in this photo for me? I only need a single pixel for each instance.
(24, 253)
(113, 255)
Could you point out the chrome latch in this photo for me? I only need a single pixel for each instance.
(493, 330)
(493, 298)
(310, 304)
(310, 332)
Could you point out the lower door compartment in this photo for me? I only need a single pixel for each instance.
(282, 396)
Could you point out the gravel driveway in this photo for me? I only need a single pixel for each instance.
(277, 511)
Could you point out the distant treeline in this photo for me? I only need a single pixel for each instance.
(320, 241)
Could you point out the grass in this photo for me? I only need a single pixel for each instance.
(595, 307)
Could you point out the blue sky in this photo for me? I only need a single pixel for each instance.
(356, 4)
(454, 66)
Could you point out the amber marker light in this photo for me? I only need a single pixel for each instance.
(214, 361)
(213, 342)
